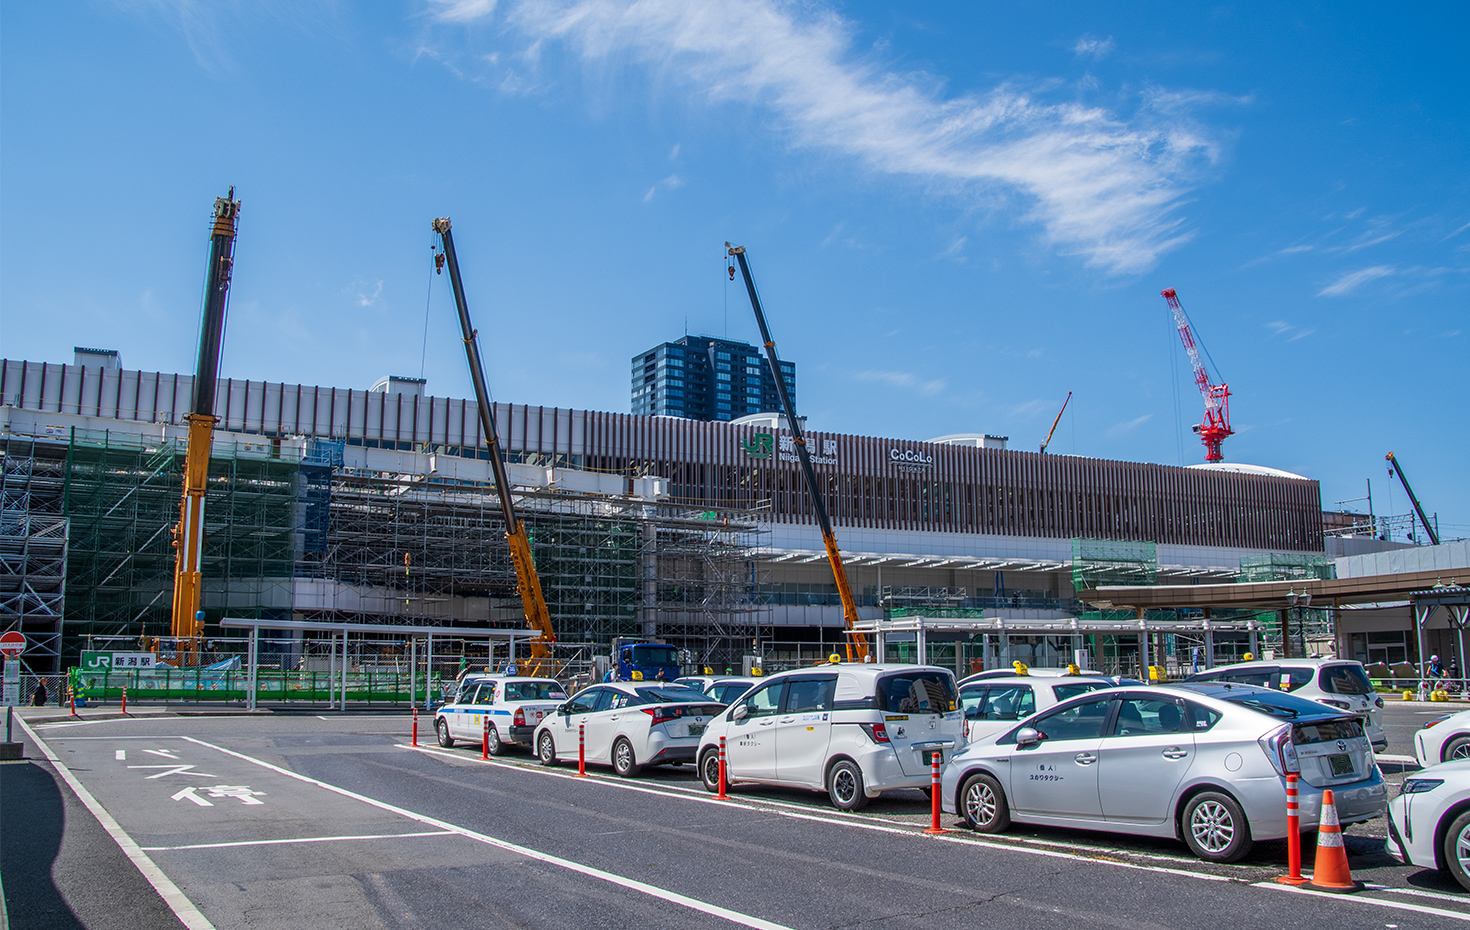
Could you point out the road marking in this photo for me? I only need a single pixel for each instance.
(121, 755)
(166, 753)
(1401, 760)
(673, 897)
(301, 839)
(182, 907)
(1360, 899)
(1438, 895)
(174, 770)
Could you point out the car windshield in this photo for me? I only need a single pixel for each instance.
(917, 693)
(1344, 679)
(534, 691)
(655, 655)
(1275, 703)
(669, 693)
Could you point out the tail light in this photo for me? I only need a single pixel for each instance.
(520, 718)
(1279, 748)
(1435, 722)
(660, 714)
(876, 731)
(1331, 703)
(1378, 702)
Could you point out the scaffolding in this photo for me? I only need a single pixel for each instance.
(33, 543)
(292, 534)
(1098, 562)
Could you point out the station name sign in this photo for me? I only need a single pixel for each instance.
(911, 459)
(118, 660)
(759, 447)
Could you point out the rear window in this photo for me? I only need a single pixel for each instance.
(916, 693)
(669, 693)
(1292, 678)
(1344, 679)
(1260, 677)
(1275, 704)
(1202, 718)
(1082, 687)
(1326, 731)
(534, 691)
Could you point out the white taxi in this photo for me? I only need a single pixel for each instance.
(991, 705)
(512, 704)
(853, 731)
(628, 724)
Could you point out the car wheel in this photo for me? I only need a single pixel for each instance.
(709, 770)
(441, 726)
(1457, 748)
(1215, 827)
(623, 760)
(845, 786)
(546, 749)
(493, 745)
(983, 802)
(1457, 849)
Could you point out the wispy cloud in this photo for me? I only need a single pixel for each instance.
(1353, 279)
(461, 11)
(1128, 426)
(903, 379)
(1290, 332)
(1089, 46)
(1101, 185)
(671, 183)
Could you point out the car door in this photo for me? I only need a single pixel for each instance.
(1143, 758)
(474, 720)
(1058, 775)
(564, 723)
(603, 720)
(750, 747)
(804, 728)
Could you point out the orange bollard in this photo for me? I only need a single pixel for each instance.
(581, 750)
(1331, 872)
(721, 795)
(125, 699)
(934, 826)
(72, 695)
(1293, 874)
(415, 726)
(485, 739)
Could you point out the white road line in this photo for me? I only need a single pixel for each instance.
(121, 755)
(1401, 760)
(1360, 899)
(673, 897)
(182, 907)
(303, 839)
(1456, 898)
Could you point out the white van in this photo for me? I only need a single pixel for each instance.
(853, 731)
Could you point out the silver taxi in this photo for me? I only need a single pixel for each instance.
(512, 704)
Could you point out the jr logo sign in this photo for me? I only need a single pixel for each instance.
(758, 446)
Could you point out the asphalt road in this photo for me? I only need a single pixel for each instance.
(277, 821)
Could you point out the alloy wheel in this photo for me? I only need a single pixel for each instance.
(1212, 826)
(980, 803)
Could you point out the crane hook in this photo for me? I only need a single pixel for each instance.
(731, 269)
(438, 263)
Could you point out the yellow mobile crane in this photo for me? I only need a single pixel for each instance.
(188, 619)
(857, 643)
(528, 584)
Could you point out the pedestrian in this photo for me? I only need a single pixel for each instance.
(38, 697)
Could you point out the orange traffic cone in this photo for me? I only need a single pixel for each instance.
(1331, 873)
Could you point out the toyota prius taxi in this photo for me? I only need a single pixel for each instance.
(627, 724)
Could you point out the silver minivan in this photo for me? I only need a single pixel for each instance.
(853, 731)
(1206, 763)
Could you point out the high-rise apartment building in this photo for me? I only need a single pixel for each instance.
(705, 378)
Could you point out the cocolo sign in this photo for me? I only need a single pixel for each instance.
(911, 459)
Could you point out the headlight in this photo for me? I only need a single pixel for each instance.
(1435, 722)
(1419, 785)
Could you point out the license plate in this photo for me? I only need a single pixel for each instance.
(1341, 763)
(696, 729)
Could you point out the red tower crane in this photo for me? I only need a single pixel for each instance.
(1216, 424)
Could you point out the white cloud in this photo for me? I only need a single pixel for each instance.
(1128, 426)
(461, 11)
(1350, 281)
(903, 379)
(1099, 185)
(670, 183)
(1092, 47)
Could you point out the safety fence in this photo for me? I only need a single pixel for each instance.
(198, 685)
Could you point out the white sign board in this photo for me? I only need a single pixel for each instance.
(11, 688)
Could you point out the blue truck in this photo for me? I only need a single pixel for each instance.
(644, 660)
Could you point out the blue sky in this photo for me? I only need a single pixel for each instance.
(957, 213)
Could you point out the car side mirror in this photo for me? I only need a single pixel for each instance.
(1027, 736)
(739, 712)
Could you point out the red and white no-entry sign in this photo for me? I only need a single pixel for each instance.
(12, 644)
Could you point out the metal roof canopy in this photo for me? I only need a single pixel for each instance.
(411, 633)
(1276, 595)
(1052, 627)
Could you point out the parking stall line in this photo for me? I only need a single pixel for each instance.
(1418, 893)
(1363, 899)
(177, 902)
(673, 897)
(303, 839)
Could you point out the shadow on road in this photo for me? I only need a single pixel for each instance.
(32, 818)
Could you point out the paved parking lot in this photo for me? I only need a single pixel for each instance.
(277, 821)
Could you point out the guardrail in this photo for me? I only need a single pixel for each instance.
(172, 685)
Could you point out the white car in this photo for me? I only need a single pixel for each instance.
(1340, 683)
(1443, 739)
(628, 724)
(1206, 763)
(995, 704)
(1429, 822)
(512, 704)
(853, 731)
(1034, 672)
(722, 688)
